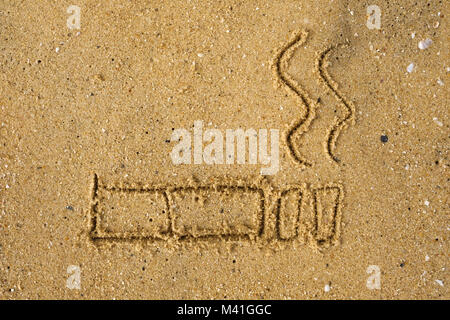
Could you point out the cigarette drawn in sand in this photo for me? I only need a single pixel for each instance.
(232, 210)
(301, 126)
(221, 211)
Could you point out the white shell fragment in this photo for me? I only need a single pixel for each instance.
(439, 123)
(440, 282)
(425, 44)
(410, 67)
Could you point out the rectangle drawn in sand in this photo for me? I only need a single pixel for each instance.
(289, 214)
(225, 211)
(133, 213)
(327, 213)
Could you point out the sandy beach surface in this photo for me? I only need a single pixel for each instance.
(349, 99)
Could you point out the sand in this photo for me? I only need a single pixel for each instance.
(93, 206)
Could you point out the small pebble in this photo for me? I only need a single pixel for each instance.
(410, 67)
(384, 138)
(427, 203)
(57, 49)
(327, 288)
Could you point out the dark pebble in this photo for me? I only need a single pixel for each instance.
(384, 138)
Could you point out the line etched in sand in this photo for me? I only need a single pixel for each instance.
(279, 66)
(349, 117)
(212, 213)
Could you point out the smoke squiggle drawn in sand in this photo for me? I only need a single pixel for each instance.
(302, 125)
(283, 78)
(349, 117)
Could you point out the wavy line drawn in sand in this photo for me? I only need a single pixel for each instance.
(302, 125)
(282, 78)
(231, 211)
(339, 124)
